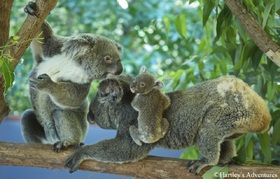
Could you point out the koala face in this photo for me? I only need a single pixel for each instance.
(143, 84)
(109, 94)
(110, 91)
(98, 56)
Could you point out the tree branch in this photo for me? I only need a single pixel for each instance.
(5, 11)
(27, 31)
(39, 155)
(255, 31)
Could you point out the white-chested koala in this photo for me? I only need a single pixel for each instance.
(60, 82)
(209, 115)
(150, 104)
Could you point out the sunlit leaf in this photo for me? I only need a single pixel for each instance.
(181, 25)
(7, 71)
(167, 25)
(16, 38)
(191, 153)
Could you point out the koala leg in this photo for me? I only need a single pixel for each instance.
(164, 126)
(135, 135)
(31, 130)
(155, 133)
(209, 147)
(228, 150)
(118, 150)
(71, 127)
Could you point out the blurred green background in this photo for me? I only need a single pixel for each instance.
(182, 42)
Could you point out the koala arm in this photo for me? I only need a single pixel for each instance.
(64, 94)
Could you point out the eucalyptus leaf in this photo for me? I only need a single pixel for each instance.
(265, 146)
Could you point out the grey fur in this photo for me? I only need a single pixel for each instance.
(59, 100)
(209, 115)
(150, 103)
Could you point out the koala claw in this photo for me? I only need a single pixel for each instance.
(195, 166)
(60, 145)
(73, 162)
(31, 9)
(41, 82)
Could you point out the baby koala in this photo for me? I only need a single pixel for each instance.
(150, 104)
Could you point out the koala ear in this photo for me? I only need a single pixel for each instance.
(119, 47)
(159, 84)
(143, 69)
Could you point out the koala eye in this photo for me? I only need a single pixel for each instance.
(142, 84)
(105, 94)
(108, 59)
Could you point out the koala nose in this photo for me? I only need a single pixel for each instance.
(119, 68)
(91, 117)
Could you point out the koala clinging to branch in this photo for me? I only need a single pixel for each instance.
(150, 103)
(209, 115)
(60, 82)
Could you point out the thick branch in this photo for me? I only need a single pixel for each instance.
(38, 155)
(5, 11)
(30, 27)
(27, 31)
(255, 31)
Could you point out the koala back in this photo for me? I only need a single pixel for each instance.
(224, 106)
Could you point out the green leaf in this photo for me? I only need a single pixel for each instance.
(271, 90)
(241, 152)
(7, 70)
(277, 5)
(223, 22)
(216, 172)
(245, 54)
(207, 9)
(181, 25)
(1, 61)
(167, 25)
(264, 140)
(191, 1)
(256, 57)
(276, 133)
(16, 38)
(191, 153)
(266, 13)
(250, 150)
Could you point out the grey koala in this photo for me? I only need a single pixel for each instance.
(210, 115)
(60, 81)
(150, 103)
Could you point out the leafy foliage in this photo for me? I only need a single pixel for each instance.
(184, 43)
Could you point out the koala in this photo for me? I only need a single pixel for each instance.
(60, 80)
(210, 115)
(150, 103)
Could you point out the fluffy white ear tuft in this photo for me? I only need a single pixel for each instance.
(159, 84)
(143, 69)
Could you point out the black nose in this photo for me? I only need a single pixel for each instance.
(91, 117)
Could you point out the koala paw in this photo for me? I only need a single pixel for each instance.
(74, 161)
(31, 9)
(195, 166)
(134, 133)
(41, 82)
(60, 145)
